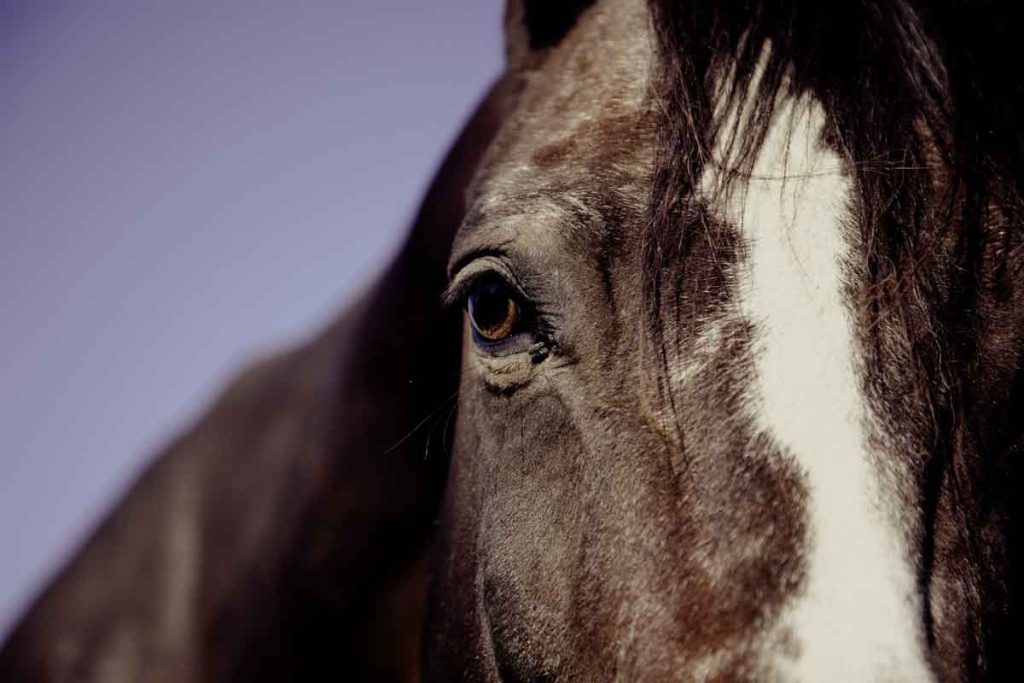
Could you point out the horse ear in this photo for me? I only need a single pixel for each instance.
(532, 26)
(286, 535)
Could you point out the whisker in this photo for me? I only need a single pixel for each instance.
(424, 421)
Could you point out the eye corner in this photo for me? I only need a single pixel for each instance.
(454, 295)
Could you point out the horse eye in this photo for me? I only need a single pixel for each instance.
(493, 310)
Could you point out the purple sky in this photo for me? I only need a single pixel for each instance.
(184, 184)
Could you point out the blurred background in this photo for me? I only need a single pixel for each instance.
(184, 185)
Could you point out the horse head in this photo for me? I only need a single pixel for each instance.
(703, 361)
(740, 382)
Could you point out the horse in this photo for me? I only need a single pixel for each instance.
(703, 361)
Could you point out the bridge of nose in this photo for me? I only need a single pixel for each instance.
(858, 611)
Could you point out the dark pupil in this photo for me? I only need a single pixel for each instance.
(489, 305)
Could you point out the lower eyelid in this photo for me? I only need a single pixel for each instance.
(504, 374)
(512, 345)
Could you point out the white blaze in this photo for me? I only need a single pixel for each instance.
(857, 616)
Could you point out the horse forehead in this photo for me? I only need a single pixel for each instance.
(604, 63)
(581, 136)
(588, 101)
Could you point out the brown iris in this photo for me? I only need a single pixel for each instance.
(493, 310)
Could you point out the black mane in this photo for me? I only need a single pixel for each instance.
(910, 88)
(924, 101)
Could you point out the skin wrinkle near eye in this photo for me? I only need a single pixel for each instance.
(491, 261)
(503, 246)
(497, 222)
(472, 249)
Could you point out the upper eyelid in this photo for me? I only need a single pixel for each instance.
(464, 277)
(476, 249)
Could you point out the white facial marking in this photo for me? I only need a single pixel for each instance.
(857, 617)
